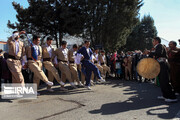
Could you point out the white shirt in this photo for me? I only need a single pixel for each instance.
(96, 56)
(77, 58)
(49, 49)
(87, 49)
(65, 52)
(17, 46)
(36, 48)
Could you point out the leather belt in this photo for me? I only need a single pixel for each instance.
(29, 59)
(102, 63)
(61, 60)
(71, 61)
(12, 57)
(46, 59)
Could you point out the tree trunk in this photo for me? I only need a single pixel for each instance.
(60, 38)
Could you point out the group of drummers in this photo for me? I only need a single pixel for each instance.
(69, 62)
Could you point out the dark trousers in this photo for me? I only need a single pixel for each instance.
(89, 67)
(174, 76)
(166, 88)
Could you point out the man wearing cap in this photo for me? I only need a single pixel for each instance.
(16, 51)
(48, 55)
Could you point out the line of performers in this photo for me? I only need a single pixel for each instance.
(92, 65)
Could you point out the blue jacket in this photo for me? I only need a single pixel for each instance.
(83, 51)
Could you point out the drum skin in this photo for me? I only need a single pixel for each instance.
(148, 68)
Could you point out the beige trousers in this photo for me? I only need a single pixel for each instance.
(65, 72)
(74, 72)
(106, 69)
(36, 68)
(52, 71)
(128, 70)
(15, 67)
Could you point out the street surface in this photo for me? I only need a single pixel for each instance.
(115, 100)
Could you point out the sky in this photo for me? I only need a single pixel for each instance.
(164, 12)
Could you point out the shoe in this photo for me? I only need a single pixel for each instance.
(171, 100)
(92, 82)
(61, 83)
(63, 89)
(49, 83)
(112, 75)
(161, 98)
(73, 86)
(80, 84)
(88, 87)
(50, 90)
(101, 80)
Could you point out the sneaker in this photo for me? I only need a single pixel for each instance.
(171, 100)
(73, 86)
(50, 90)
(161, 98)
(101, 80)
(80, 84)
(92, 82)
(63, 89)
(61, 83)
(112, 75)
(88, 87)
(49, 83)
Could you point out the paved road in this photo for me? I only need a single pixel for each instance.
(115, 100)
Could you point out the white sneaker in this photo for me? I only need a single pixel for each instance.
(171, 100)
(49, 83)
(101, 80)
(61, 83)
(92, 82)
(161, 98)
(112, 75)
(80, 84)
(63, 89)
(73, 86)
(50, 90)
(88, 87)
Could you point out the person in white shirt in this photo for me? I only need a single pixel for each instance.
(62, 57)
(48, 57)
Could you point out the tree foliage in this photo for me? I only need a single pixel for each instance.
(104, 22)
(142, 35)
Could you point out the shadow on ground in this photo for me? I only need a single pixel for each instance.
(144, 97)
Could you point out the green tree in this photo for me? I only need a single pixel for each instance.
(49, 17)
(110, 22)
(142, 35)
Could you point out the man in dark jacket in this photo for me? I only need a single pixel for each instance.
(159, 53)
